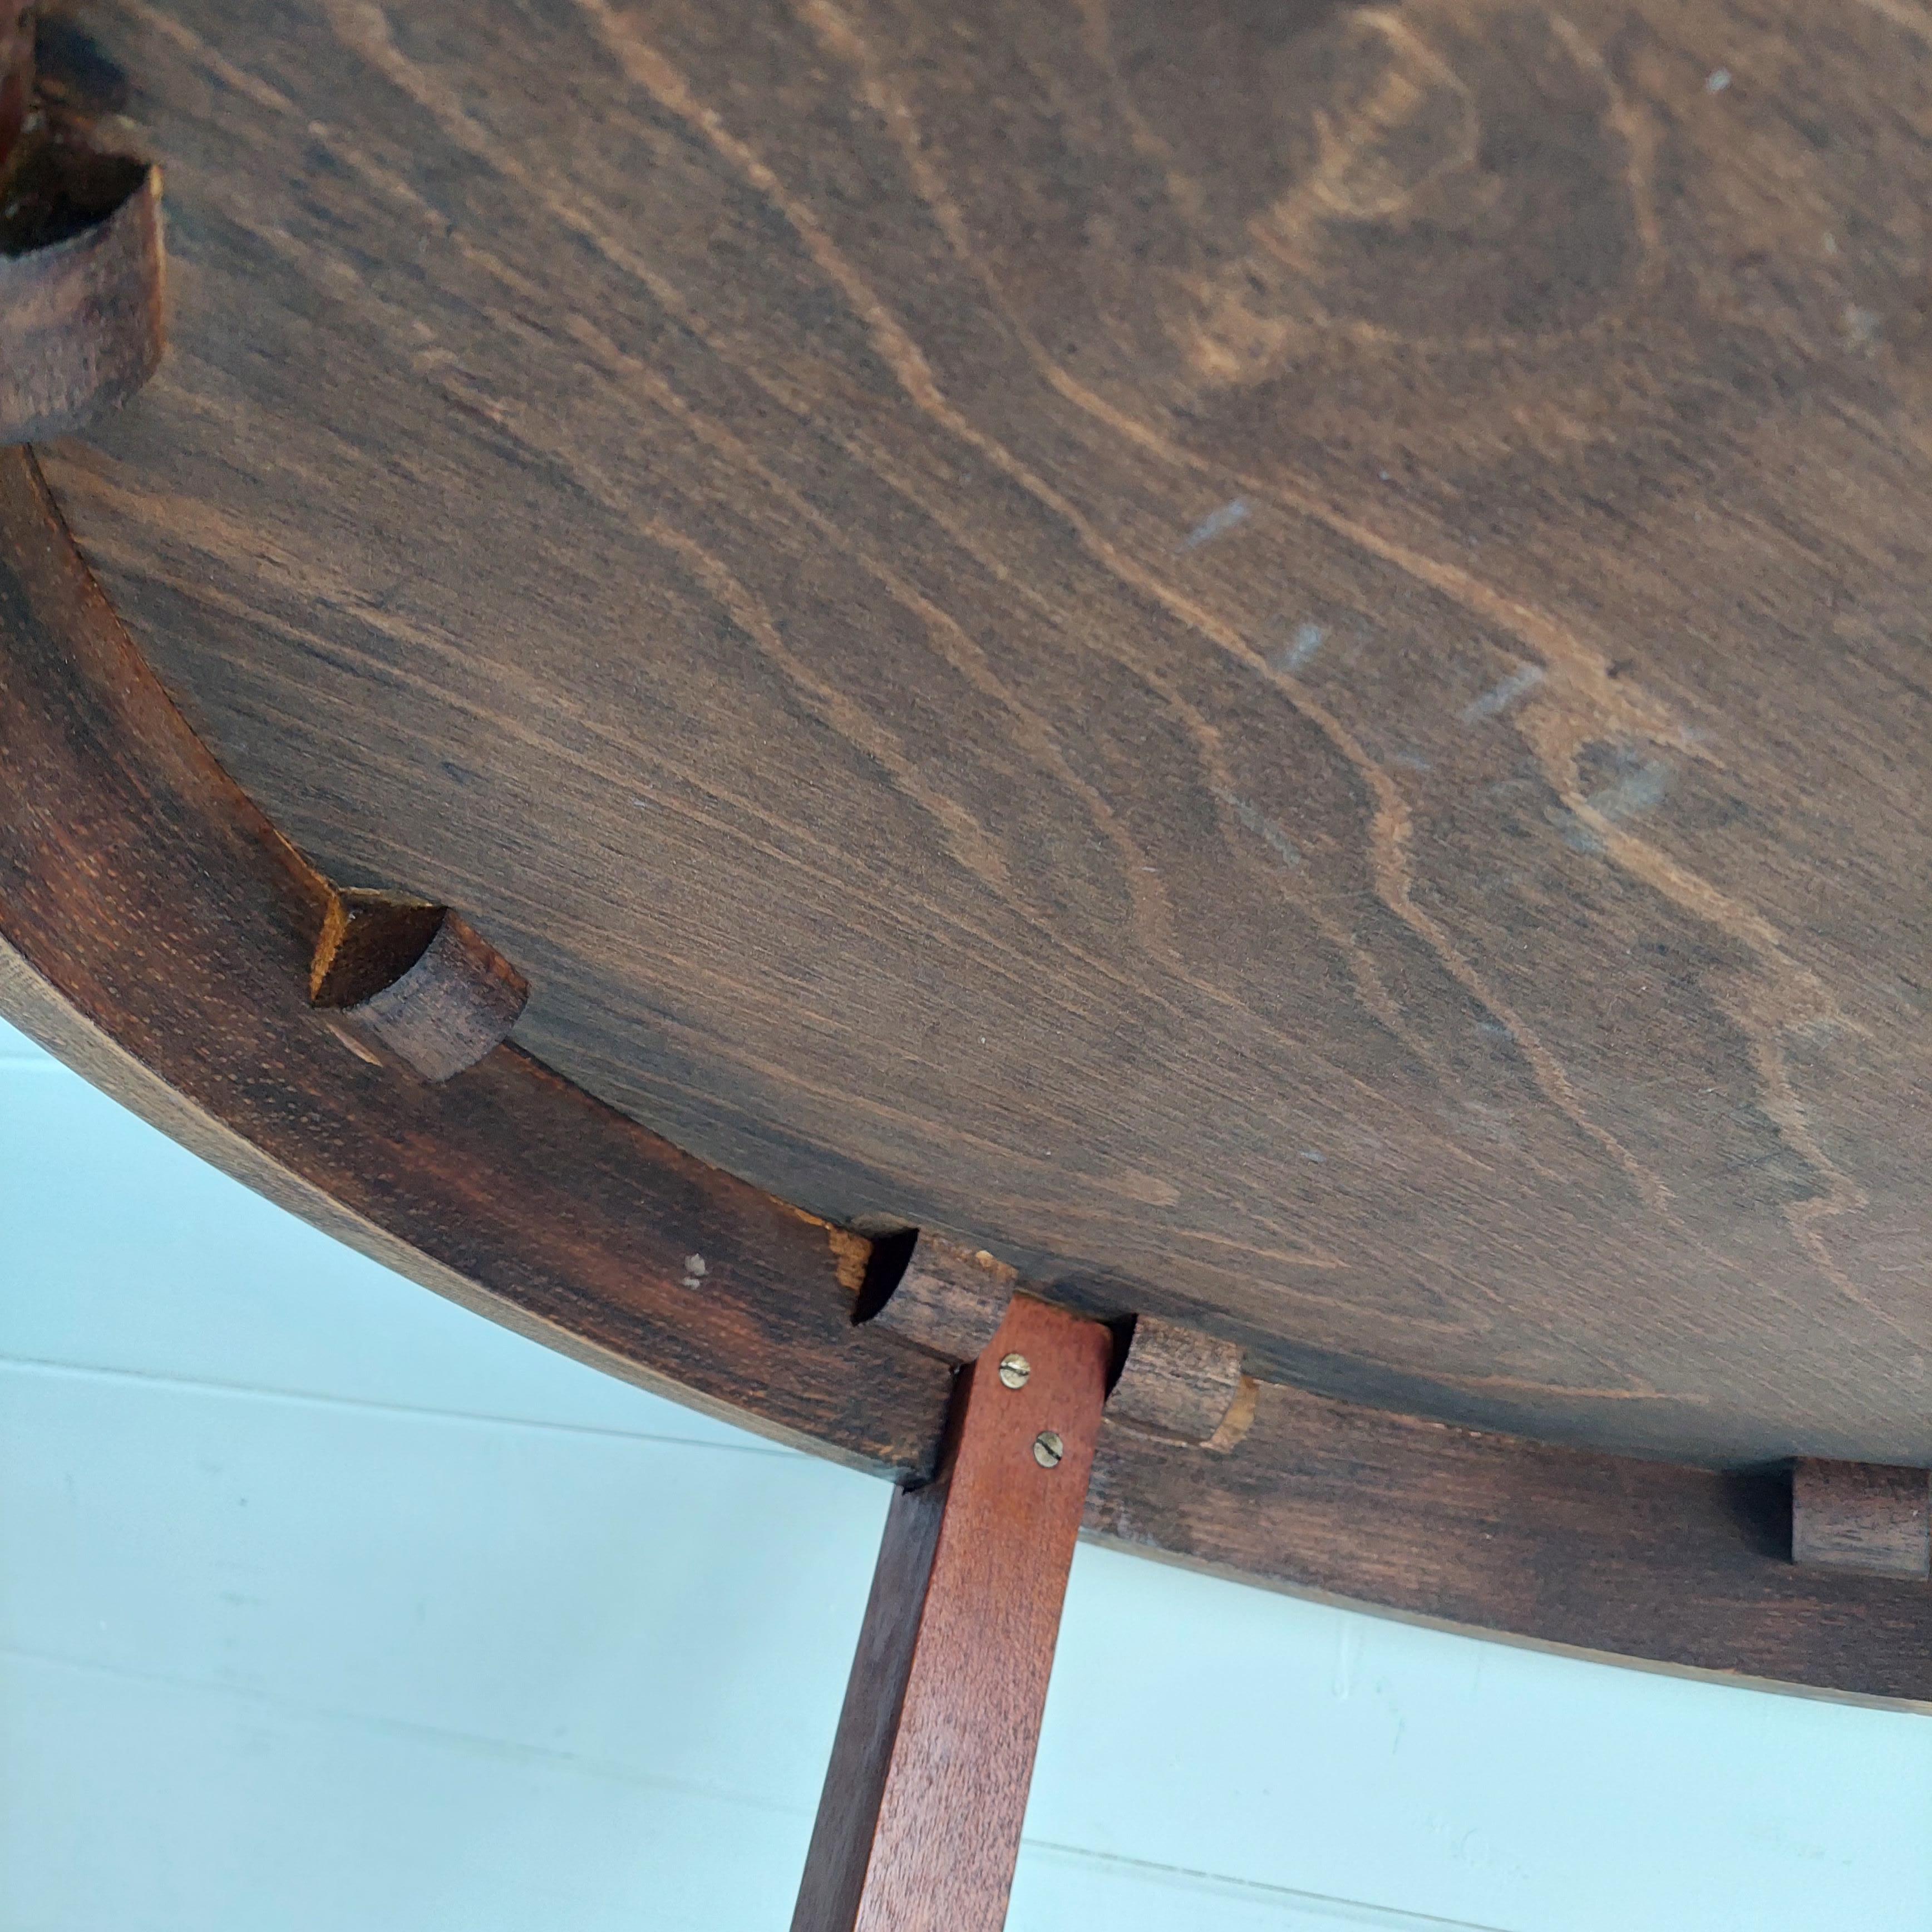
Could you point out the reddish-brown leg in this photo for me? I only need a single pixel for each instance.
(920, 1826)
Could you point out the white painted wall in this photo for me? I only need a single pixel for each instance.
(327, 1607)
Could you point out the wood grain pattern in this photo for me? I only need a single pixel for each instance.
(1459, 1527)
(940, 1296)
(1271, 659)
(919, 1830)
(1854, 1516)
(846, 1828)
(81, 280)
(414, 982)
(140, 892)
(155, 932)
(1176, 1381)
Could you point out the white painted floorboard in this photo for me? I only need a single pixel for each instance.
(327, 1607)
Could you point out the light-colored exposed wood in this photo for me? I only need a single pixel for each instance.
(143, 893)
(413, 1497)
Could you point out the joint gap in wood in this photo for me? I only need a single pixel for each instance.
(1167, 1379)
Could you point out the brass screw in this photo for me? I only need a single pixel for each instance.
(1048, 1449)
(1014, 1370)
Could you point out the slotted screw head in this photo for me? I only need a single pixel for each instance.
(1048, 1449)
(1014, 1370)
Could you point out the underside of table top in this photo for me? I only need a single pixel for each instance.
(1272, 662)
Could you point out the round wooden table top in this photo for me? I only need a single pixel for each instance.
(1271, 659)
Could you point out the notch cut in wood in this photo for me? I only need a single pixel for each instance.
(81, 259)
(946, 1299)
(409, 983)
(1173, 1381)
(919, 1828)
(1182, 1384)
(1870, 1516)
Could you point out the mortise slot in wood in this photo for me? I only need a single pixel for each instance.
(942, 1298)
(413, 984)
(522, 1196)
(1870, 1516)
(1178, 1383)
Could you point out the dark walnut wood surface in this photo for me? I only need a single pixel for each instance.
(157, 933)
(1270, 657)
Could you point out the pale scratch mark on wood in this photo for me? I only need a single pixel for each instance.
(1579, 686)
(1391, 826)
(1299, 652)
(1620, 706)
(517, 423)
(363, 27)
(1251, 818)
(1216, 522)
(1785, 996)
(648, 67)
(1152, 916)
(1500, 696)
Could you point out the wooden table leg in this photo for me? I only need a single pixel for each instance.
(919, 1828)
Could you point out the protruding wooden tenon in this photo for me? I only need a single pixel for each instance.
(947, 1300)
(1182, 1384)
(410, 983)
(1862, 1516)
(920, 1826)
(81, 257)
